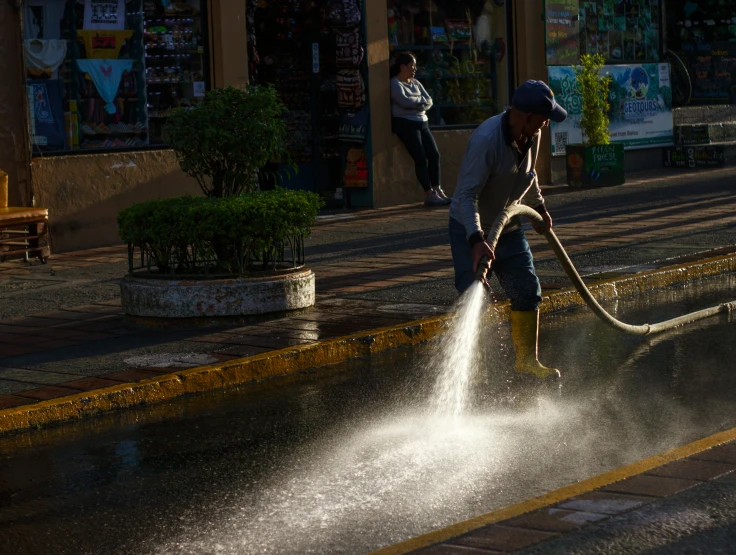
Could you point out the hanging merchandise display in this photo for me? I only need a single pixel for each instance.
(43, 57)
(108, 15)
(113, 69)
(356, 168)
(106, 75)
(312, 51)
(104, 45)
(42, 18)
(47, 112)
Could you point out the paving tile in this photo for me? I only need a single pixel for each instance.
(305, 335)
(15, 350)
(68, 315)
(89, 384)
(134, 374)
(48, 392)
(603, 502)
(264, 341)
(244, 351)
(723, 453)
(19, 339)
(551, 519)
(60, 333)
(293, 324)
(10, 401)
(35, 376)
(502, 538)
(446, 549)
(34, 322)
(656, 486)
(693, 469)
(105, 325)
(55, 344)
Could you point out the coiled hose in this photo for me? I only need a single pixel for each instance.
(572, 273)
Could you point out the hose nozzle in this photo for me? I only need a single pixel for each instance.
(483, 267)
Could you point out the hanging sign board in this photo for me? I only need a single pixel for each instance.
(562, 32)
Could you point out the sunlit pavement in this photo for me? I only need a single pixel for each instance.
(62, 330)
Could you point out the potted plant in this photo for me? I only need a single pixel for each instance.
(235, 251)
(596, 162)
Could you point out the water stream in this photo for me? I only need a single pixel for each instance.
(455, 355)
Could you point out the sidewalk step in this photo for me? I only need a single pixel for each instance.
(704, 133)
(704, 114)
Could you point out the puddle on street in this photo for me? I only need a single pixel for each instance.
(348, 459)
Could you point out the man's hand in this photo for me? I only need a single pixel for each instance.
(478, 251)
(546, 225)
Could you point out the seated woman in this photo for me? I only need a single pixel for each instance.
(409, 104)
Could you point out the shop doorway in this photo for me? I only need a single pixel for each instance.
(312, 52)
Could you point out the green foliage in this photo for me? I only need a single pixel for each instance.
(594, 91)
(199, 235)
(228, 137)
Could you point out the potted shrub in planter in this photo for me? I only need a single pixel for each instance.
(597, 162)
(236, 251)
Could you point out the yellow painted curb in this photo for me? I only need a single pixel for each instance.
(557, 495)
(303, 357)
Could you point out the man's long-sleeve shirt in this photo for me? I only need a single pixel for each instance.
(493, 175)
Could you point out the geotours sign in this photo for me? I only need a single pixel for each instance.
(641, 106)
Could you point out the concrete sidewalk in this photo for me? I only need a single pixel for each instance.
(62, 331)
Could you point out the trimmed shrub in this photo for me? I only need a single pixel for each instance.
(236, 235)
(227, 138)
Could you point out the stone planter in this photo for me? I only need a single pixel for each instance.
(207, 298)
(595, 166)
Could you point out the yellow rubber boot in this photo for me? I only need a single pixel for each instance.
(525, 337)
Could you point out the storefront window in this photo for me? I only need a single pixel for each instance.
(704, 36)
(457, 45)
(104, 74)
(624, 32)
(312, 52)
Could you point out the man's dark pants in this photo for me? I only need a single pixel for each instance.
(514, 266)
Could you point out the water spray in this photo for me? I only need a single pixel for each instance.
(572, 273)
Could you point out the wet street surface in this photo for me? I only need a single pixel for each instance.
(351, 458)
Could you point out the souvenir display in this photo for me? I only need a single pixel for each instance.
(104, 74)
(313, 52)
(623, 32)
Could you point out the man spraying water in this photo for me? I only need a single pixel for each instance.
(498, 169)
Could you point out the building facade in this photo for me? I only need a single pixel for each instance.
(88, 85)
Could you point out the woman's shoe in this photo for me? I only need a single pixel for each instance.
(434, 199)
(441, 194)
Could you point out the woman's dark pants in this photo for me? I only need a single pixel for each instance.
(421, 146)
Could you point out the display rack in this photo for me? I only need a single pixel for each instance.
(292, 46)
(174, 65)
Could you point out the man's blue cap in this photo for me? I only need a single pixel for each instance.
(535, 97)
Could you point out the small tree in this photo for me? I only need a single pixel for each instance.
(594, 91)
(228, 137)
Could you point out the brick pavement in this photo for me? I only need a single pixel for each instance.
(608, 517)
(43, 354)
